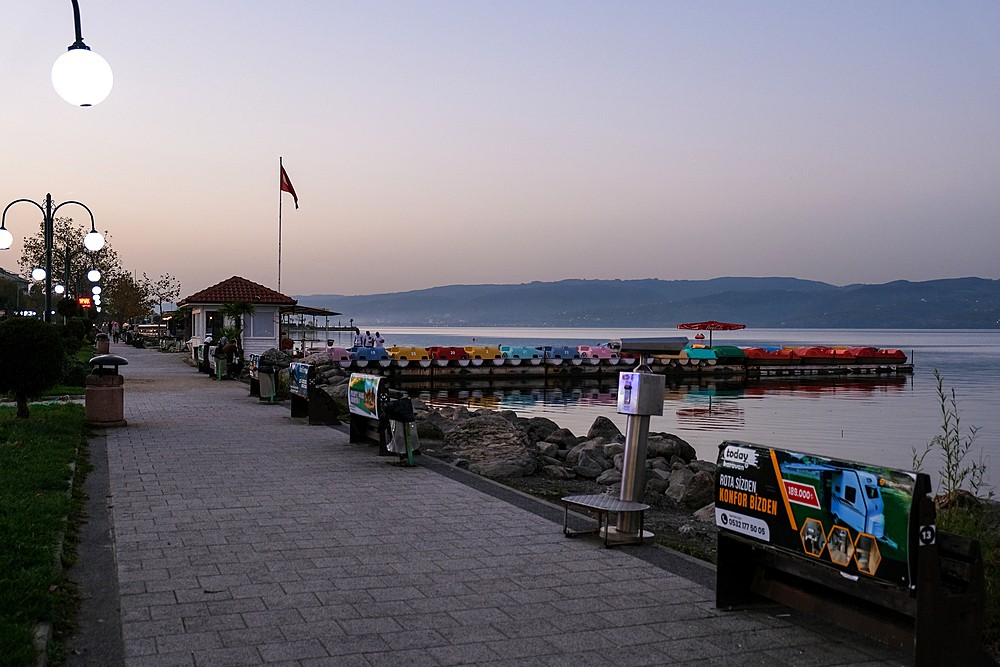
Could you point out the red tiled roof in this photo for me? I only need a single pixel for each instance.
(238, 289)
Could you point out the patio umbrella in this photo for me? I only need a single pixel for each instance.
(710, 326)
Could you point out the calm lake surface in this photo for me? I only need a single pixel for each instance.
(875, 421)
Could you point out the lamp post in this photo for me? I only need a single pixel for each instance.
(93, 241)
(80, 76)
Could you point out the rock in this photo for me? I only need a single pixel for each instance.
(494, 440)
(462, 463)
(655, 484)
(678, 481)
(700, 490)
(619, 461)
(550, 461)
(699, 466)
(275, 358)
(667, 445)
(434, 422)
(588, 468)
(613, 448)
(509, 415)
(610, 476)
(556, 472)
(549, 449)
(660, 463)
(540, 428)
(657, 473)
(563, 438)
(706, 514)
(418, 404)
(428, 430)
(592, 448)
(686, 530)
(604, 428)
(337, 392)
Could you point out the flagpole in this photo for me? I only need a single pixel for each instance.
(280, 167)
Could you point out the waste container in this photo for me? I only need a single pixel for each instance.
(103, 343)
(105, 392)
(267, 376)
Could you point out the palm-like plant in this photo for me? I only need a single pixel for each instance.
(236, 311)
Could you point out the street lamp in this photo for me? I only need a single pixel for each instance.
(80, 76)
(93, 241)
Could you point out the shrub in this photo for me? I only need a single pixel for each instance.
(32, 356)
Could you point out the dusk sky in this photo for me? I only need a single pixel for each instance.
(435, 143)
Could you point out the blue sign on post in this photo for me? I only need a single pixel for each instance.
(298, 379)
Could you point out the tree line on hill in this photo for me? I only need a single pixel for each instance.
(959, 303)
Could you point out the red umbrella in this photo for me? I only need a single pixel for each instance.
(710, 326)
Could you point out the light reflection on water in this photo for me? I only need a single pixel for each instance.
(875, 420)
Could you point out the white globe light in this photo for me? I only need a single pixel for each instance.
(98, 309)
(82, 77)
(38, 274)
(59, 289)
(6, 239)
(93, 275)
(93, 241)
(97, 299)
(96, 289)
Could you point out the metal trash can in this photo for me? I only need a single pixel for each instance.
(267, 376)
(103, 343)
(105, 392)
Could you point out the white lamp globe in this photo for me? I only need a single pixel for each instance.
(96, 289)
(98, 309)
(82, 77)
(38, 274)
(93, 241)
(58, 289)
(97, 299)
(93, 275)
(6, 239)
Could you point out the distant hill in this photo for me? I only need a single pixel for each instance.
(960, 303)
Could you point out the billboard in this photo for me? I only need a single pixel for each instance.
(298, 379)
(846, 515)
(365, 394)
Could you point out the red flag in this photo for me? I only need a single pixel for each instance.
(286, 186)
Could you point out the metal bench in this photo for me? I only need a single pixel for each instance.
(601, 505)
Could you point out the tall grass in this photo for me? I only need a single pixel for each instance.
(35, 457)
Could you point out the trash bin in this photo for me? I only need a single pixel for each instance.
(103, 343)
(267, 376)
(105, 392)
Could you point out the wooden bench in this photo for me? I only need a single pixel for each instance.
(602, 505)
(925, 594)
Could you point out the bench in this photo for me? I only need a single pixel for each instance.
(850, 543)
(602, 505)
(306, 401)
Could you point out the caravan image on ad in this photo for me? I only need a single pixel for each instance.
(850, 516)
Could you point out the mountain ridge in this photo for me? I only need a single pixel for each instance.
(773, 302)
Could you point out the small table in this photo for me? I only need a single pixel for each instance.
(602, 505)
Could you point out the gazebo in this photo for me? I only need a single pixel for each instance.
(260, 330)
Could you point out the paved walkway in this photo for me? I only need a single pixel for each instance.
(244, 537)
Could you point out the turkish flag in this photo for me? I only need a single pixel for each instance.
(286, 186)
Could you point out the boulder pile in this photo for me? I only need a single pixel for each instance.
(502, 445)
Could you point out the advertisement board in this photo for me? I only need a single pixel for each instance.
(298, 379)
(365, 394)
(846, 515)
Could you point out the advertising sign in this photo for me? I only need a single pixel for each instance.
(363, 395)
(850, 516)
(253, 364)
(298, 379)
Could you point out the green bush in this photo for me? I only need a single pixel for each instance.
(32, 358)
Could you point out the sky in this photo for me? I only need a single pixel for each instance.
(438, 143)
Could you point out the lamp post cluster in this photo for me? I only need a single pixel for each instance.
(93, 242)
(83, 78)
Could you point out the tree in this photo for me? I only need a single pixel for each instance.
(125, 299)
(165, 289)
(31, 358)
(235, 310)
(67, 237)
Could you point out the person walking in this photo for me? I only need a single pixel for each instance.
(116, 332)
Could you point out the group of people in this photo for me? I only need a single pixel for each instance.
(114, 330)
(368, 340)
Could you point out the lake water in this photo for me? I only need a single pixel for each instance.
(871, 420)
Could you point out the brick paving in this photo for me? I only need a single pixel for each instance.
(245, 537)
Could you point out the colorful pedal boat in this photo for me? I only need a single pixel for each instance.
(516, 353)
(760, 356)
(594, 354)
(444, 355)
(480, 353)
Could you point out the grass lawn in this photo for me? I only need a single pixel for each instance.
(35, 458)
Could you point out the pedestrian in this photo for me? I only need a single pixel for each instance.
(369, 339)
(379, 341)
(116, 331)
(359, 340)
